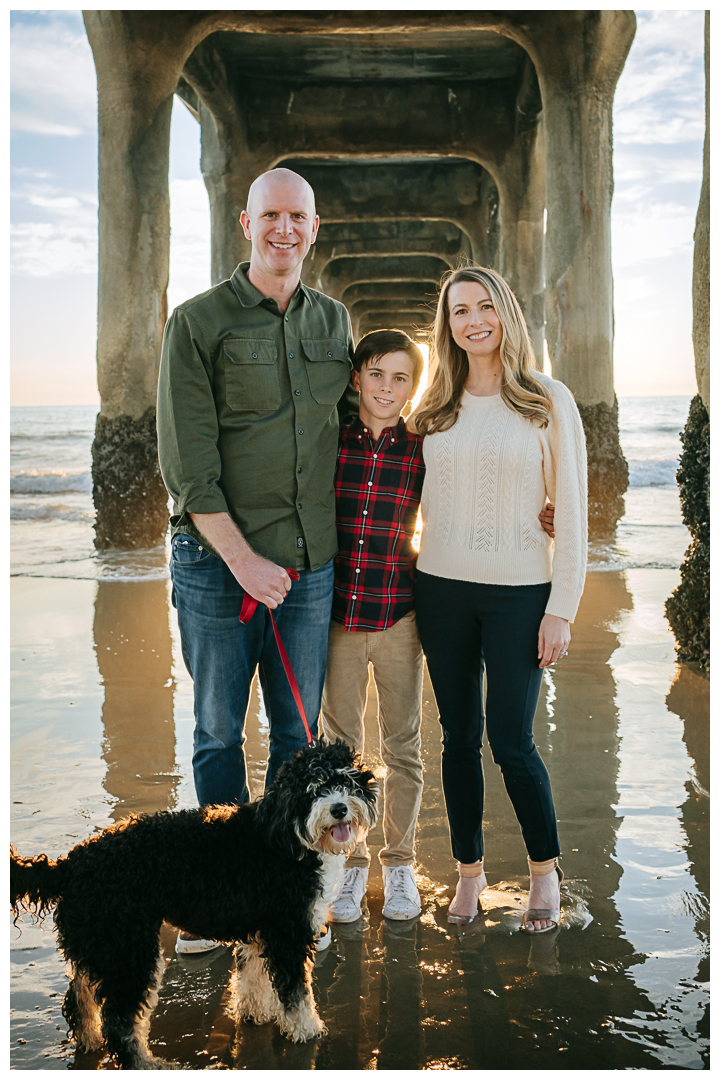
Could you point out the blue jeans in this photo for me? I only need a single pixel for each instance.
(222, 654)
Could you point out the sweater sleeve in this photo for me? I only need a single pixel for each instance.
(566, 481)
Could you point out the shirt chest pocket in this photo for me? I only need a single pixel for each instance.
(328, 368)
(252, 383)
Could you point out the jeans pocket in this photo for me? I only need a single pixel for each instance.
(186, 551)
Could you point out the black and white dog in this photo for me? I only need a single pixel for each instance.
(259, 876)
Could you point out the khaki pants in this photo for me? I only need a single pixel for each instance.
(397, 660)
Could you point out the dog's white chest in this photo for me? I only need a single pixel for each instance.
(332, 868)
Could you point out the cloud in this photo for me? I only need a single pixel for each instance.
(52, 77)
(648, 230)
(658, 166)
(660, 97)
(26, 170)
(44, 249)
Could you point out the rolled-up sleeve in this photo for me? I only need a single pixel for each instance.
(568, 490)
(187, 421)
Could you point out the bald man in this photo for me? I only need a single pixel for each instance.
(253, 373)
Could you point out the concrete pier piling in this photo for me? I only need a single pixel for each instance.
(688, 609)
(429, 138)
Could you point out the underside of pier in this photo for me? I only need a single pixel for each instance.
(429, 138)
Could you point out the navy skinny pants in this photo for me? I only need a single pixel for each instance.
(466, 627)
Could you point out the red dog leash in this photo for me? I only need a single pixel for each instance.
(246, 613)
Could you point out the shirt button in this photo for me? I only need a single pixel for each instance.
(374, 455)
(361, 541)
(354, 597)
(299, 468)
(357, 571)
(364, 511)
(287, 318)
(329, 354)
(301, 431)
(298, 393)
(299, 506)
(369, 483)
(254, 356)
(291, 355)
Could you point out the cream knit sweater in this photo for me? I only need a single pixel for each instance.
(486, 482)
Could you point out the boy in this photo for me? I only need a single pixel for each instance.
(378, 485)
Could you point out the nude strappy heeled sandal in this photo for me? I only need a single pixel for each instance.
(467, 870)
(540, 869)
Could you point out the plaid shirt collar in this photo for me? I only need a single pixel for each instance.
(388, 435)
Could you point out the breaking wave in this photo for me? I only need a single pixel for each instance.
(653, 473)
(49, 512)
(33, 482)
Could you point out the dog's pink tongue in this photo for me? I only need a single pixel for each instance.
(341, 832)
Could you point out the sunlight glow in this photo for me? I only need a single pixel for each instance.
(425, 350)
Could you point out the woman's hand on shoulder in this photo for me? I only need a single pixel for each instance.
(553, 639)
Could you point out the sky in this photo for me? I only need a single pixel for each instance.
(659, 120)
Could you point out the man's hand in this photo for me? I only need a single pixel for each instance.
(553, 639)
(260, 578)
(547, 519)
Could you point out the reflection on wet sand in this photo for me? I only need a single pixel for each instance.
(624, 733)
(689, 698)
(134, 655)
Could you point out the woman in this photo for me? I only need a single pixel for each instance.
(500, 439)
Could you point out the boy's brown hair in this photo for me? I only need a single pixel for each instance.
(379, 343)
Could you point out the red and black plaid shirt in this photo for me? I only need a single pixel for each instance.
(377, 494)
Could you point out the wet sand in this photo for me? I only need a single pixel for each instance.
(102, 725)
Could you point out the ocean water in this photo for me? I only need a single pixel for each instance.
(52, 514)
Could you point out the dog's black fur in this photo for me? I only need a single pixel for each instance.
(249, 873)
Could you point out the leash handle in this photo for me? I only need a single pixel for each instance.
(247, 611)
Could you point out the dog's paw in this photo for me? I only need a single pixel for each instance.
(301, 1025)
(159, 1063)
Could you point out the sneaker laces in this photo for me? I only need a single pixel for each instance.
(349, 885)
(401, 880)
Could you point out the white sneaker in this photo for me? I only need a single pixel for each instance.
(345, 906)
(193, 946)
(323, 938)
(402, 899)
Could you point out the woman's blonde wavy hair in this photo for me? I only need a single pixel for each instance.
(521, 389)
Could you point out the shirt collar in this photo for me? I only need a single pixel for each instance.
(394, 434)
(249, 296)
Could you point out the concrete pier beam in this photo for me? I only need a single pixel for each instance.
(386, 298)
(227, 166)
(136, 81)
(701, 256)
(688, 609)
(412, 322)
(579, 56)
(424, 293)
(453, 117)
(455, 190)
(521, 186)
(342, 274)
(373, 238)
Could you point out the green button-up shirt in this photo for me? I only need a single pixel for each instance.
(247, 415)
